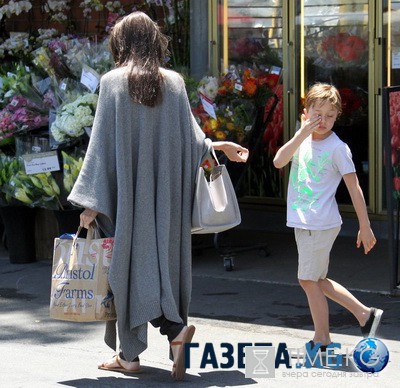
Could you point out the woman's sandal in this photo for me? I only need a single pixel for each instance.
(179, 368)
(119, 368)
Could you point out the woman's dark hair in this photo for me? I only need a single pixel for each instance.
(137, 42)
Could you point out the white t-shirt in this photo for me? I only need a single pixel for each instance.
(316, 171)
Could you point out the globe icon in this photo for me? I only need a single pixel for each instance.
(371, 355)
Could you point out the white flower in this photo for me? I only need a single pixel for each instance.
(46, 35)
(57, 10)
(15, 8)
(209, 87)
(115, 7)
(73, 117)
(17, 44)
(89, 5)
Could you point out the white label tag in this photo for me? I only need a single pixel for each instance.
(43, 162)
(90, 78)
(208, 106)
(238, 87)
(43, 85)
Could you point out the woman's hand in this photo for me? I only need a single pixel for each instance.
(234, 152)
(87, 217)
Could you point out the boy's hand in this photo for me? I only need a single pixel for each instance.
(309, 124)
(367, 239)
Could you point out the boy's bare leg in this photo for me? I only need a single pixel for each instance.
(345, 298)
(319, 310)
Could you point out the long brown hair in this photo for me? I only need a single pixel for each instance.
(137, 42)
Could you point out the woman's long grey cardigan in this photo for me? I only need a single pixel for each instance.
(139, 174)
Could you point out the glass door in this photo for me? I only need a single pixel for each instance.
(332, 45)
(392, 35)
(250, 48)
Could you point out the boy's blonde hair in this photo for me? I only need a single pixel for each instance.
(322, 92)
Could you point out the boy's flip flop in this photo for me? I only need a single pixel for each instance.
(119, 368)
(179, 363)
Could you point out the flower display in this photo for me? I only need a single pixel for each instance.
(394, 109)
(208, 86)
(235, 98)
(35, 190)
(343, 49)
(49, 82)
(73, 117)
(89, 5)
(45, 35)
(24, 114)
(17, 46)
(115, 7)
(22, 106)
(71, 167)
(95, 55)
(14, 8)
(57, 10)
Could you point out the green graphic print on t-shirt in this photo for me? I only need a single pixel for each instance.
(304, 173)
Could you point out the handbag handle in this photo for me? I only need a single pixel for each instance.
(214, 155)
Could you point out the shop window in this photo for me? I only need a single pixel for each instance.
(251, 43)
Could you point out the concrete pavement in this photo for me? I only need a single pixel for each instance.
(258, 302)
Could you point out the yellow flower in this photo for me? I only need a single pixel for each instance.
(22, 196)
(230, 126)
(220, 135)
(214, 124)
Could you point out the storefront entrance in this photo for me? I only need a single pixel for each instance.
(304, 42)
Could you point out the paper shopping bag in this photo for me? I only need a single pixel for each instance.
(79, 283)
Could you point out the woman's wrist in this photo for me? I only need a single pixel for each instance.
(220, 145)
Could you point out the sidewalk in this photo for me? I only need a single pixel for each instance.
(258, 302)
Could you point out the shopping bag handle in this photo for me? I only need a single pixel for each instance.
(89, 236)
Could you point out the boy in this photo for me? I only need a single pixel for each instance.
(319, 161)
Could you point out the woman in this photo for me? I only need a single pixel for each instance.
(137, 181)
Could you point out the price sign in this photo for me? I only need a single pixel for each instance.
(90, 78)
(208, 106)
(41, 162)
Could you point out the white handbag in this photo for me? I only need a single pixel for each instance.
(215, 205)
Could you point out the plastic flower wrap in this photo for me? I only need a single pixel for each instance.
(36, 190)
(95, 55)
(72, 118)
(22, 107)
(16, 81)
(24, 114)
(234, 98)
(7, 126)
(72, 164)
(8, 167)
(342, 49)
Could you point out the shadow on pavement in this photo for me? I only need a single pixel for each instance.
(154, 377)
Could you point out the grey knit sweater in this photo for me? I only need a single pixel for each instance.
(139, 174)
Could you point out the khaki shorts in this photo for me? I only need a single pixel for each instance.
(314, 247)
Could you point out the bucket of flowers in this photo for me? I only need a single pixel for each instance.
(228, 105)
(72, 118)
